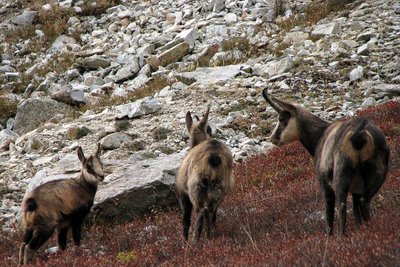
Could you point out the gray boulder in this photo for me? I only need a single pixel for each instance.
(32, 112)
(210, 75)
(278, 67)
(114, 140)
(25, 19)
(326, 29)
(137, 187)
(138, 108)
(95, 62)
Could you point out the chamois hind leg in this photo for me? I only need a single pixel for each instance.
(210, 218)
(343, 176)
(364, 207)
(357, 209)
(329, 201)
(62, 238)
(199, 225)
(28, 233)
(39, 237)
(186, 206)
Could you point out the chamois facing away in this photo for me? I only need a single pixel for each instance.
(60, 205)
(349, 156)
(204, 176)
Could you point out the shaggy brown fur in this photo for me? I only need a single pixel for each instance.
(350, 156)
(59, 205)
(204, 176)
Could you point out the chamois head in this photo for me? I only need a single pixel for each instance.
(286, 131)
(92, 167)
(199, 130)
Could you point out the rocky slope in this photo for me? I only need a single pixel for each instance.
(194, 53)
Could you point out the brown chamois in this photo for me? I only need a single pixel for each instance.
(60, 205)
(204, 176)
(349, 156)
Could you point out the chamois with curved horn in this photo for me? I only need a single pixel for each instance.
(204, 176)
(59, 205)
(350, 156)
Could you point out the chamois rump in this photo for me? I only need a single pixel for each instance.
(204, 176)
(349, 156)
(59, 205)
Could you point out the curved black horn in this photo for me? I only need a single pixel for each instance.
(269, 100)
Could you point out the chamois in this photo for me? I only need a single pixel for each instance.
(60, 205)
(204, 176)
(349, 156)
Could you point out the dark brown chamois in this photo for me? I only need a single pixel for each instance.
(204, 176)
(59, 205)
(349, 156)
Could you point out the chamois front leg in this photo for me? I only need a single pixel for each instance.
(62, 238)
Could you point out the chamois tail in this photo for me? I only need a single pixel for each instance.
(359, 138)
(31, 205)
(214, 160)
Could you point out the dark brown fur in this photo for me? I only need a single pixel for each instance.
(59, 205)
(204, 177)
(350, 156)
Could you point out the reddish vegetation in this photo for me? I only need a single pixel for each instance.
(274, 217)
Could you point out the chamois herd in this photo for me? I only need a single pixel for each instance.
(350, 156)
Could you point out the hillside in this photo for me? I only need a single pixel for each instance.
(274, 217)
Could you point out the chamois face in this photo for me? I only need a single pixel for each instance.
(199, 131)
(92, 167)
(286, 131)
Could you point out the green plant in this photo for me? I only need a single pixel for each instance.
(126, 257)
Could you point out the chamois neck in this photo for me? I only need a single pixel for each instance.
(312, 129)
(90, 186)
(195, 141)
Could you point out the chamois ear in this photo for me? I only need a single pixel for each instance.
(98, 151)
(285, 106)
(204, 120)
(189, 121)
(277, 104)
(81, 156)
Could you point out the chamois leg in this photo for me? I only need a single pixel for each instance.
(199, 225)
(343, 175)
(39, 237)
(62, 238)
(329, 200)
(214, 217)
(364, 206)
(186, 206)
(207, 219)
(357, 209)
(21, 254)
(28, 233)
(211, 217)
(77, 231)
